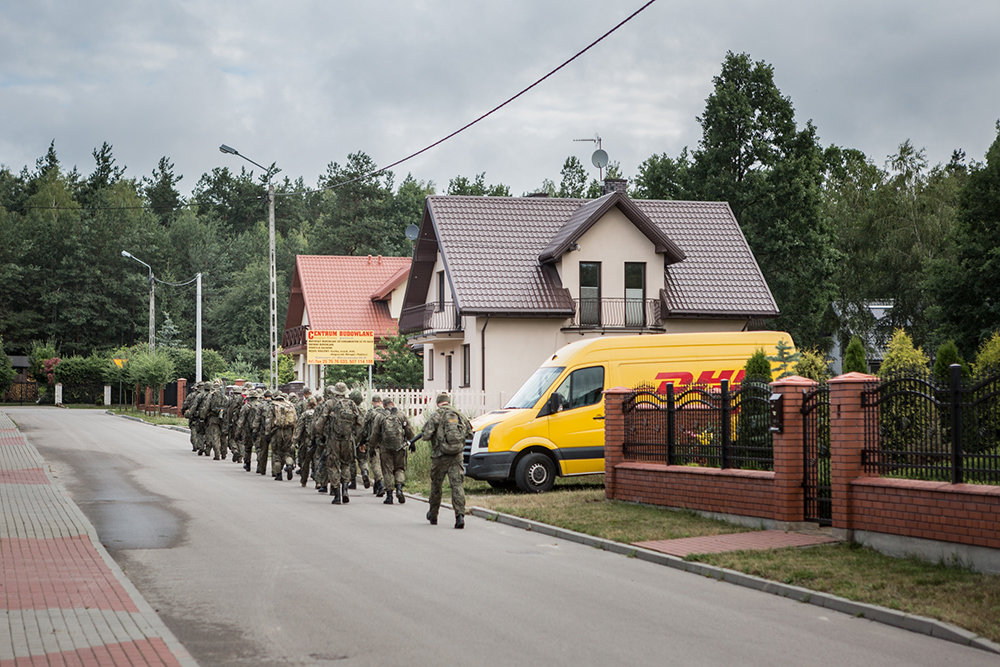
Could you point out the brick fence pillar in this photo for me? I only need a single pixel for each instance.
(789, 499)
(614, 435)
(847, 439)
(182, 384)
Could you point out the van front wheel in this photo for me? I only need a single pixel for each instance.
(535, 473)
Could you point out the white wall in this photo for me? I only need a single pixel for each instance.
(396, 299)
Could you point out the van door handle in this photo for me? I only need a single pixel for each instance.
(601, 417)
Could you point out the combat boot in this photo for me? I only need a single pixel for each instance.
(277, 478)
(365, 480)
(353, 483)
(344, 488)
(459, 521)
(433, 519)
(379, 490)
(388, 498)
(335, 490)
(321, 489)
(288, 470)
(399, 493)
(246, 466)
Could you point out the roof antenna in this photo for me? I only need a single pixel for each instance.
(600, 157)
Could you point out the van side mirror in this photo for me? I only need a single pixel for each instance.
(551, 405)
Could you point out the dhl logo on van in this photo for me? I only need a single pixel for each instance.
(682, 379)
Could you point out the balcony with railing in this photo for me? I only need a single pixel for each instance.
(430, 318)
(294, 337)
(616, 313)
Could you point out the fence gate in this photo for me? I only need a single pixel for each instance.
(816, 456)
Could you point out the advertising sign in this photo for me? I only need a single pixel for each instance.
(340, 347)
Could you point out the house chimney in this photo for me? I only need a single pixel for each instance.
(615, 185)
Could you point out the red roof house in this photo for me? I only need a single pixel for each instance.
(342, 292)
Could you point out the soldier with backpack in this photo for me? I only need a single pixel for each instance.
(371, 450)
(262, 434)
(446, 429)
(340, 422)
(391, 432)
(282, 426)
(210, 412)
(305, 443)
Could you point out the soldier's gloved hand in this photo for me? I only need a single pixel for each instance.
(413, 445)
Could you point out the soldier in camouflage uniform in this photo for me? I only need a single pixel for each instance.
(341, 424)
(282, 426)
(259, 425)
(391, 432)
(186, 411)
(319, 440)
(244, 430)
(211, 413)
(370, 447)
(443, 423)
(234, 399)
(198, 424)
(304, 440)
(359, 461)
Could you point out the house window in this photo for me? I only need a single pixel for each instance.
(584, 386)
(440, 300)
(448, 369)
(466, 365)
(635, 294)
(590, 293)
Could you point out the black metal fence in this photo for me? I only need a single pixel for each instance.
(701, 425)
(919, 428)
(22, 391)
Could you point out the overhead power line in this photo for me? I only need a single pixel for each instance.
(411, 155)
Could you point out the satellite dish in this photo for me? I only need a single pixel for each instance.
(412, 231)
(599, 158)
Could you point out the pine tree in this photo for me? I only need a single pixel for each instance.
(855, 359)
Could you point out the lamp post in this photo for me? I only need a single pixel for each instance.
(152, 298)
(273, 278)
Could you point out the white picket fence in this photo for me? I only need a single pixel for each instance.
(416, 402)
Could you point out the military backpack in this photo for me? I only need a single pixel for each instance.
(343, 417)
(450, 434)
(393, 431)
(284, 415)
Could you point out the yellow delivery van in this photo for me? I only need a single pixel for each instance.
(554, 425)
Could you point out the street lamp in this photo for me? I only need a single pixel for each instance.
(152, 298)
(152, 321)
(274, 276)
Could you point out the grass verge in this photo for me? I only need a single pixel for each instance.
(152, 419)
(956, 595)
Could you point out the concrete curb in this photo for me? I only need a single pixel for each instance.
(911, 622)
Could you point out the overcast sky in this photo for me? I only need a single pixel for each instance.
(304, 84)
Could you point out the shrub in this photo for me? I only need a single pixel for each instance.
(988, 356)
(785, 358)
(947, 355)
(151, 369)
(82, 378)
(40, 352)
(855, 359)
(758, 367)
(7, 373)
(814, 365)
(902, 357)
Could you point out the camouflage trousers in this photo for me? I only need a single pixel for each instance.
(449, 465)
(263, 445)
(375, 463)
(213, 438)
(282, 451)
(393, 466)
(319, 463)
(246, 447)
(306, 453)
(193, 428)
(339, 454)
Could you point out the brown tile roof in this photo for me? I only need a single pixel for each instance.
(337, 290)
(492, 248)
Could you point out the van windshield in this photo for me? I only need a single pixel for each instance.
(532, 390)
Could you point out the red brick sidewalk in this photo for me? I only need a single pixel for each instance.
(712, 544)
(63, 600)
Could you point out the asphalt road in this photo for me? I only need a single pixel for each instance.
(248, 571)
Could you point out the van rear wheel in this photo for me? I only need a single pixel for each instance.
(535, 473)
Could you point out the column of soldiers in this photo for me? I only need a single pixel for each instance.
(329, 440)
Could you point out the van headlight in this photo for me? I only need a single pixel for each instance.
(481, 439)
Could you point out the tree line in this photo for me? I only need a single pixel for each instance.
(832, 229)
